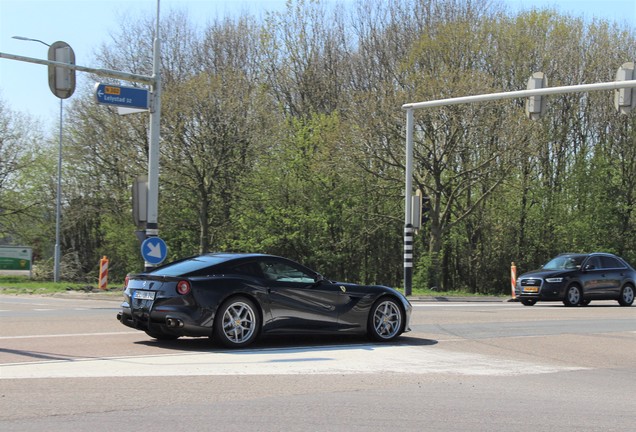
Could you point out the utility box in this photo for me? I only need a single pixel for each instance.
(140, 200)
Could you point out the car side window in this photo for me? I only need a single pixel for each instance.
(283, 272)
(248, 269)
(610, 263)
(594, 263)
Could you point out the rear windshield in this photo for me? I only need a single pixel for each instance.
(182, 268)
(565, 262)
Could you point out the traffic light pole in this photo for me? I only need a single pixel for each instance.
(408, 206)
(410, 107)
(152, 225)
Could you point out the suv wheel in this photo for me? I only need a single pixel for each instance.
(573, 296)
(627, 296)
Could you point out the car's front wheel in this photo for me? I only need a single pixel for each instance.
(573, 296)
(386, 320)
(237, 323)
(627, 296)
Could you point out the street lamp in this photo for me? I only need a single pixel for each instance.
(58, 203)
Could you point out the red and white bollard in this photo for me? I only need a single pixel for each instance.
(513, 279)
(103, 273)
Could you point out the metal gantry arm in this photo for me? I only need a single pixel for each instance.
(150, 80)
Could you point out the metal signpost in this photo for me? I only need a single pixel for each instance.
(128, 97)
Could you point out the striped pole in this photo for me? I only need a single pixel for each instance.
(408, 259)
(513, 279)
(408, 205)
(103, 273)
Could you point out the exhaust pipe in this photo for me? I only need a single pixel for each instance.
(174, 323)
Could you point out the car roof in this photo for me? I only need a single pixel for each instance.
(588, 254)
(226, 256)
(197, 262)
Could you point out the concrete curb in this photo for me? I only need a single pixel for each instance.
(117, 295)
(453, 299)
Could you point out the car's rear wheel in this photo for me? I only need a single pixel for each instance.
(627, 296)
(573, 296)
(237, 323)
(528, 302)
(386, 320)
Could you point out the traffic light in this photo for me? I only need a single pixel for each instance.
(426, 209)
(420, 209)
(624, 99)
(416, 209)
(535, 105)
(61, 80)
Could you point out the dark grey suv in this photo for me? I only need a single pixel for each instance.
(576, 279)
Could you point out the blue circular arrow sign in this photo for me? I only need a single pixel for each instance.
(154, 250)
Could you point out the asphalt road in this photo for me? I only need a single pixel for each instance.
(66, 364)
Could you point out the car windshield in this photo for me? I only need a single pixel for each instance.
(565, 262)
(187, 266)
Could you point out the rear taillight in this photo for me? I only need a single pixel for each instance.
(126, 280)
(183, 287)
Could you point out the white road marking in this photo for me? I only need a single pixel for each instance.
(354, 359)
(70, 335)
(457, 304)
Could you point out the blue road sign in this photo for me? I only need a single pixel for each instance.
(129, 97)
(154, 250)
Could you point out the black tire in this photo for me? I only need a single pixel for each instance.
(237, 323)
(528, 302)
(386, 320)
(627, 296)
(586, 302)
(573, 296)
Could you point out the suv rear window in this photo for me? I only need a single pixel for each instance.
(611, 263)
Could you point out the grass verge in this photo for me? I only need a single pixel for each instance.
(24, 285)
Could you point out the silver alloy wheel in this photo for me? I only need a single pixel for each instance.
(239, 322)
(573, 295)
(387, 319)
(628, 295)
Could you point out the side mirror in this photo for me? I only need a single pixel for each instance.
(590, 267)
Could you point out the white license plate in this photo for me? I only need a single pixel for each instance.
(144, 295)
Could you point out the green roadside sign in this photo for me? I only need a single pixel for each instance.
(15, 258)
